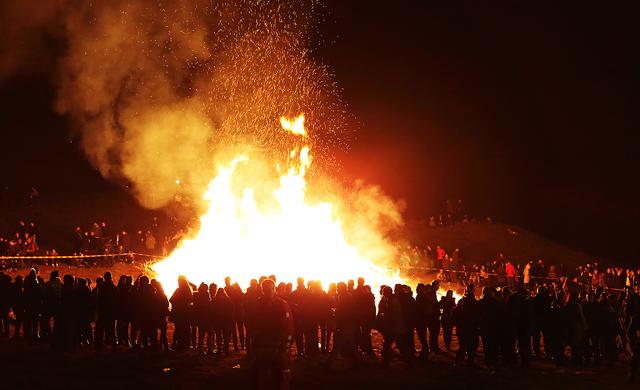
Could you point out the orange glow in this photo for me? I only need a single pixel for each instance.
(243, 238)
(295, 126)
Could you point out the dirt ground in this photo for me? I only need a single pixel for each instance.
(36, 366)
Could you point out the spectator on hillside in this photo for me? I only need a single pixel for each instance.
(432, 222)
(526, 273)
(150, 243)
(510, 270)
(22, 229)
(32, 230)
(79, 239)
(31, 248)
(440, 254)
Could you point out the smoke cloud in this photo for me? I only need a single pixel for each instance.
(158, 91)
(156, 88)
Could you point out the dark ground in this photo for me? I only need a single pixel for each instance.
(36, 366)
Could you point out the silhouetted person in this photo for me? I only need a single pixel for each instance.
(408, 310)
(42, 330)
(181, 301)
(313, 309)
(368, 303)
(17, 305)
(521, 303)
(555, 333)
(447, 305)
(576, 328)
(631, 315)
(508, 334)
(159, 312)
(211, 318)
(5, 304)
(391, 322)
(193, 334)
(328, 323)
(541, 311)
(201, 304)
(489, 323)
(594, 316)
(252, 296)
(423, 308)
(634, 364)
(51, 304)
(223, 312)
(66, 331)
(106, 308)
(136, 314)
(299, 304)
(271, 340)
(148, 326)
(466, 319)
(363, 305)
(346, 324)
(125, 309)
(84, 311)
(433, 322)
(610, 328)
(33, 300)
(237, 326)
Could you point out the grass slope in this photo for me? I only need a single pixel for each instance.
(482, 241)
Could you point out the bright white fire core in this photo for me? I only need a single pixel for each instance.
(237, 238)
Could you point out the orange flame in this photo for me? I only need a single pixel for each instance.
(295, 126)
(240, 239)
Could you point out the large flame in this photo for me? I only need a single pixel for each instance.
(239, 239)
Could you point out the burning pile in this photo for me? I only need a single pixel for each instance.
(243, 238)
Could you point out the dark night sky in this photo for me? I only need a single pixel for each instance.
(528, 113)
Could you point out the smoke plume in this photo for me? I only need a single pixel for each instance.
(156, 88)
(160, 91)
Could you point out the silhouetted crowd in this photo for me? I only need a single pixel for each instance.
(568, 324)
(96, 239)
(450, 213)
(501, 271)
(24, 242)
(100, 239)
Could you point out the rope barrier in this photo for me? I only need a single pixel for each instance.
(78, 256)
(472, 272)
(518, 277)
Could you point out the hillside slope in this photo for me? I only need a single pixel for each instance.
(483, 241)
